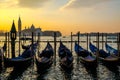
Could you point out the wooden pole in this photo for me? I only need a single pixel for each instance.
(87, 41)
(71, 42)
(8, 46)
(55, 48)
(38, 43)
(19, 42)
(97, 46)
(119, 44)
(89, 38)
(32, 41)
(78, 44)
(32, 52)
(102, 40)
(78, 38)
(106, 38)
(6, 43)
(25, 38)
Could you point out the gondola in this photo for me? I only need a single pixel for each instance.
(45, 58)
(111, 50)
(66, 57)
(85, 56)
(24, 59)
(105, 57)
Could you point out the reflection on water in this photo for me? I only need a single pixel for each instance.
(79, 72)
(92, 71)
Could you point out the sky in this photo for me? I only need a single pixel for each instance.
(65, 16)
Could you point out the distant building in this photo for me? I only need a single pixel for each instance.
(19, 25)
(51, 33)
(28, 32)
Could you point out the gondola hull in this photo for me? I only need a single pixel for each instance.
(66, 65)
(43, 65)
(65, 58)
(44, 60)
(104, 57)
(18, 63)
(25, 59)
(85, 56)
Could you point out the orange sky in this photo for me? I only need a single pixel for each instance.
(64, 15)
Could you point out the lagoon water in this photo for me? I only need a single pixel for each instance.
(79, 72)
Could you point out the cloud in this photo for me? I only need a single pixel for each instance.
(23, 3)
(8, 3)
(32, 3)
(81, 3)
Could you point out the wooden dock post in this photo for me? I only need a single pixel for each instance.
(118, 44)
(38, 43)
(8, 45)
(19, 42)
(71, 42)
(97, 55)
(54, 48)
(87, 40)
(106, 38)
(78, 44)
(32, 41)
(102, 40)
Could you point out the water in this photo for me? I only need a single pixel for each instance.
(79, 72)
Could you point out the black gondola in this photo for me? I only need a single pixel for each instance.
(111, 50)
(85, 56)
(45, 58)
(104, 56)
(24, 59)
(66, 57)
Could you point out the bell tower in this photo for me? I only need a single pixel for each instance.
(19, 24)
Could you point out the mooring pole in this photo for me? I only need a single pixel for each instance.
(97, 46)
(87, 41)
(106, 38)
(19, 42)
(32, 42)
(8, 45)
(38, 43)
(89, 38)
(78, 44)
(119, 44)
(55, 48)
(71, 42)
(102, 40)
(32, 52)
(25, 38)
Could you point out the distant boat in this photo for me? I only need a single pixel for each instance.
(64, 36)
(66, 57)
(45, 58)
